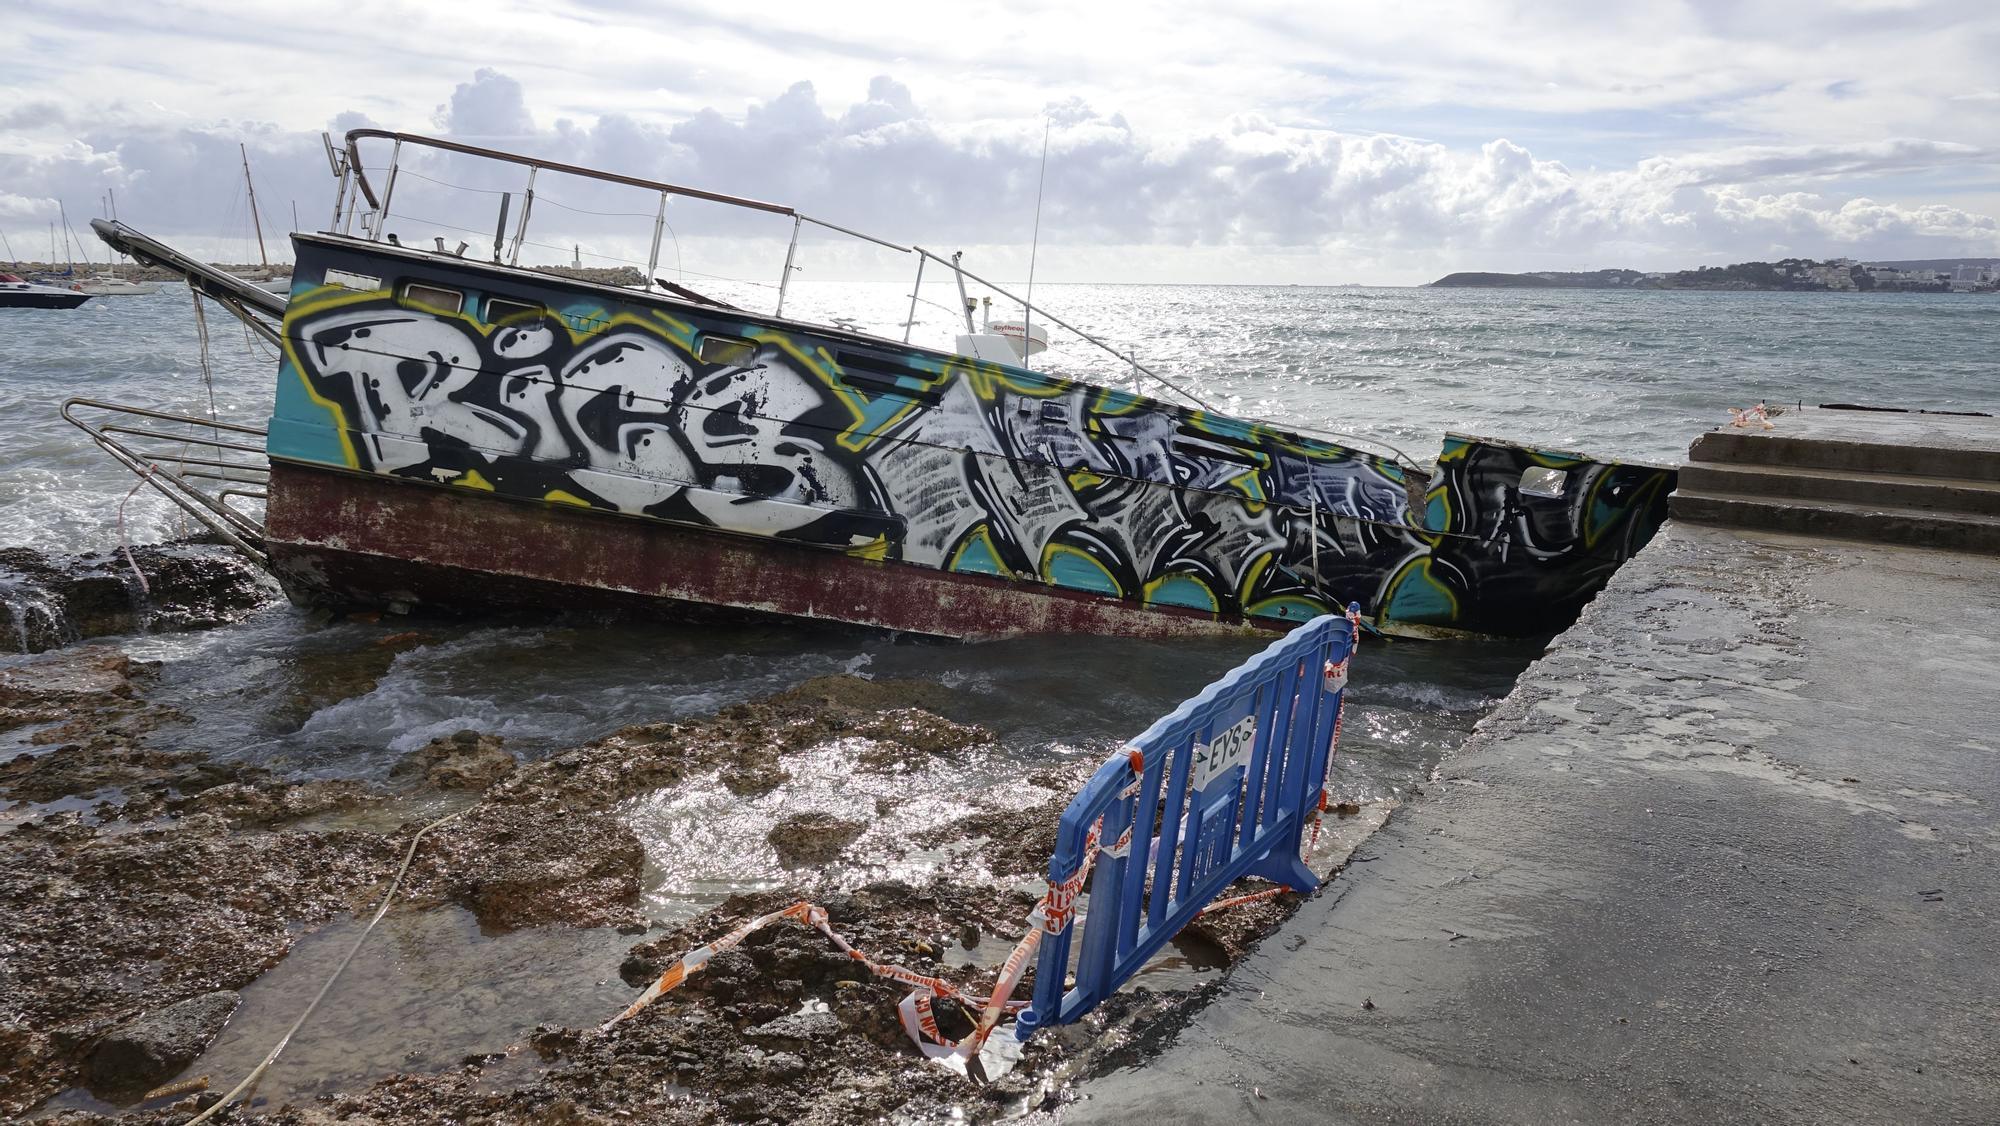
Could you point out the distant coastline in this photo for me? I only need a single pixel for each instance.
(1835, 275)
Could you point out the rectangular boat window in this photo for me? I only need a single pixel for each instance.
(433, 297)
(498, 310)
(1211, 451)
(877, 376)
(1197, 443)
(725, 349)
(1541, 481)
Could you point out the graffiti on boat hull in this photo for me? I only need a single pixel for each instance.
(714, 419)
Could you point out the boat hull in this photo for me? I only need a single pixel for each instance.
(354, 540)
(797, 470)
(41, 299)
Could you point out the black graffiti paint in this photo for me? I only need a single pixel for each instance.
(912, 458)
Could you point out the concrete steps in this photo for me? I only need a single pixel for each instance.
(1751, 447)
(1948, 494)
(1918, 480)
(1921, 527)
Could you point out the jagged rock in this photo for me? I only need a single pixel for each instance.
(813, 838)
(90, 675)
(796, 1028)
(47, 601)
(467, 760)
(271, 801)
(160, 1043)
(523, 866)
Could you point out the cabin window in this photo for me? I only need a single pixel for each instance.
(433, 297)
(725, 350)
(875, 375)
(498, 310)
(1541, 481)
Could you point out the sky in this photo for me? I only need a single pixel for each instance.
(1319, 143)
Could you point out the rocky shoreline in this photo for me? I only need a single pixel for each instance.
(143, 889)
(48, 601)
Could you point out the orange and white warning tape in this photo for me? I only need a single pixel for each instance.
(1055, 911)
(806, 914)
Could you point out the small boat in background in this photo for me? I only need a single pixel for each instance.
(16, 293)
(111, 285)
(265, 280)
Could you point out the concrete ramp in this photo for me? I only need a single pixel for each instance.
(1930, 480)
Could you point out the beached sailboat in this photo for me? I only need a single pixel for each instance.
(453, 433)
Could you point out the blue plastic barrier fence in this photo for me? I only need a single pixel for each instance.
(1223, 787)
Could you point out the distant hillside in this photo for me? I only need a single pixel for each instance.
(1939, 263)
(1801, 275)
(1505, 281)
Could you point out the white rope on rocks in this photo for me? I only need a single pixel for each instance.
(395, 885)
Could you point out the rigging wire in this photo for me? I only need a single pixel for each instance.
(682, 273)
(1034, 245)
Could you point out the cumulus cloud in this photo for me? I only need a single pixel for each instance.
(1379, 206)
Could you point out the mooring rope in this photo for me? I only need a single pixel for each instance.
(395, 885)
(201, 330)
(124, 541)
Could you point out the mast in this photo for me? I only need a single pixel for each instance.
(69, 253)
(254, 220)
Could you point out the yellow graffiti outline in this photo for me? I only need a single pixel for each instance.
(1049, 553)
(1318, 606)
(1251, 576)
(309, 303)
(1395, 583)
(1639, 497)
(327, 298)
(1134, 400)
(982, 532)
(832, 376)
(988, 378)
(1149, 591)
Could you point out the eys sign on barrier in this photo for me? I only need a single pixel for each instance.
(1222, 788)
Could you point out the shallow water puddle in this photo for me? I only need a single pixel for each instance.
(426, 991)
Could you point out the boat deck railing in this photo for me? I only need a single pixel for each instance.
(357, 190)
(140, 439)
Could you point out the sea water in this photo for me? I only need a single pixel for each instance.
(1632, 375)
(1618, 375)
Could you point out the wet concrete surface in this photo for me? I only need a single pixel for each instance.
(1727, 854)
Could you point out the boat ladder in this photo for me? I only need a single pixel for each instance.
(207, 470)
